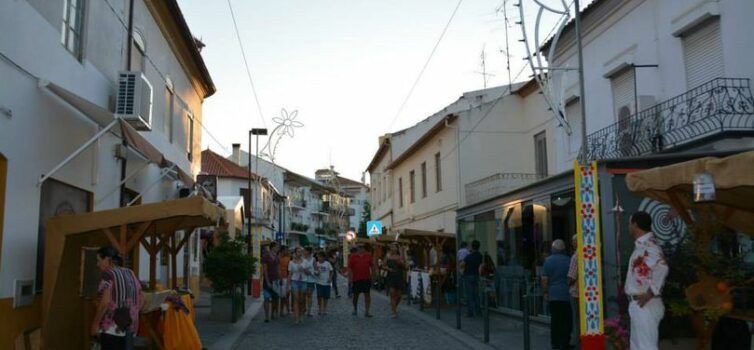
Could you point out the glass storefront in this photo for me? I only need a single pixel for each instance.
(518, 237)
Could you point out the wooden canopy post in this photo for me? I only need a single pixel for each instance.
(173, 262)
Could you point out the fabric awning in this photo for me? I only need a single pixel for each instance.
(104, 118)
(734, 187)
(151, 225)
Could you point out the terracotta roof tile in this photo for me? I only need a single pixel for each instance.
(217, 165)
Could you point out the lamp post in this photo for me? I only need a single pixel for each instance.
(253, 241)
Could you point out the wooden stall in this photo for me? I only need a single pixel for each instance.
(715, 293)
(67, 312)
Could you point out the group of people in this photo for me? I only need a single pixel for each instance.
(647, 270)
(643, 286)
(290, 279)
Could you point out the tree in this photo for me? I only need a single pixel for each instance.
(366, 215)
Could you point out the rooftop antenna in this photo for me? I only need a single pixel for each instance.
(484, 73)
(507, 50)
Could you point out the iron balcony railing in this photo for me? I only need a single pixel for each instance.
(498, 184)
(720, 105)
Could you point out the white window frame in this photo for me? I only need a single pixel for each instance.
(72, 34)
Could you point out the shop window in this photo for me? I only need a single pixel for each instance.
(57, 198)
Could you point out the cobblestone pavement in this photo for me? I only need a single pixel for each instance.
(341, 330)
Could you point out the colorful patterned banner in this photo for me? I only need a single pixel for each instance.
(590, 256)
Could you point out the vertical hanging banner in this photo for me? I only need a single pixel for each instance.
(591, 315)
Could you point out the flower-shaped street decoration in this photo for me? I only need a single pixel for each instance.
(286, 125)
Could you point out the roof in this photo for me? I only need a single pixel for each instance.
(570, 26)
(439, 126)
(349, 183)
(187, 44)
(302, 180)
(384, 147)
(217, 165)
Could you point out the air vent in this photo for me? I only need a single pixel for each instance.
(134, 101)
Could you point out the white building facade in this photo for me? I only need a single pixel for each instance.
(59, 63)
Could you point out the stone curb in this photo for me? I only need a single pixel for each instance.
(236, 330)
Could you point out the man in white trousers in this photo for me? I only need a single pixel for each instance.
(647, 270)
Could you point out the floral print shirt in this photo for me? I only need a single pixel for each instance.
(647, 268)
(125, 291)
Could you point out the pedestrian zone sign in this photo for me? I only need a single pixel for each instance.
(374, 228)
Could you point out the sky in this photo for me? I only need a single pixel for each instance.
(346, 66)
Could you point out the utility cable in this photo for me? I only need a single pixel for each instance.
(246, 65)
(426, 63)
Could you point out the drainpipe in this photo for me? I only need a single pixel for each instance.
(123, 162)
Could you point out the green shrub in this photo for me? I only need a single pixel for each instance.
(228, 266)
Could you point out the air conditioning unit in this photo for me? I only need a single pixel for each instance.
(134, 101)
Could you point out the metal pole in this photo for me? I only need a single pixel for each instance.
(582, 97)
(486, 301)
(248, 219)
(436, 296)
(458, 276)
(527, 341)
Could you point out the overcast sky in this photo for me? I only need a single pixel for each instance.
(346, 66)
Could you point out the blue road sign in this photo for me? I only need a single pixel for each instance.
(374, 228)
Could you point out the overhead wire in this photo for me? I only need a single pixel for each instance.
(486, 114)
(246, 65)
(424, 67)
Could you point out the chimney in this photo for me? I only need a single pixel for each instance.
(236, 158)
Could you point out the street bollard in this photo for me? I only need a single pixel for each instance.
(436, 295)
(527, 342)
(421, 293)
(458, 300)
(486, 302)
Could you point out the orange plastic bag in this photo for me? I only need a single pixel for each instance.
(180, 331)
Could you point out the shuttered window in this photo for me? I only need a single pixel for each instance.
(703, 53)
(623, 91)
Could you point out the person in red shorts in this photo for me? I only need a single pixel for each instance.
(360, 273)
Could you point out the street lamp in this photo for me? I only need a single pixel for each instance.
(257, 132)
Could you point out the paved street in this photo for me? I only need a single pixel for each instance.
(341, 330)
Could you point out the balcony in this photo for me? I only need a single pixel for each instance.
(722, 105)
(297, 204)
(262, 216)
(496, 185)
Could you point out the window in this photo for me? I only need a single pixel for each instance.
(438, 172)
(138, 50)
(703, 53)
(384, 188)
(167, 124)
(412, 186)
(622, 85)
(540, 153)
(400, 192)
(185, 133)
(424, 179)
(73, 26)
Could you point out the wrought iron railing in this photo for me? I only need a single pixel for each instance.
(720, 105)
(496, 185)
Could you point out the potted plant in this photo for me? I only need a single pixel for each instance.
(227, 267)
